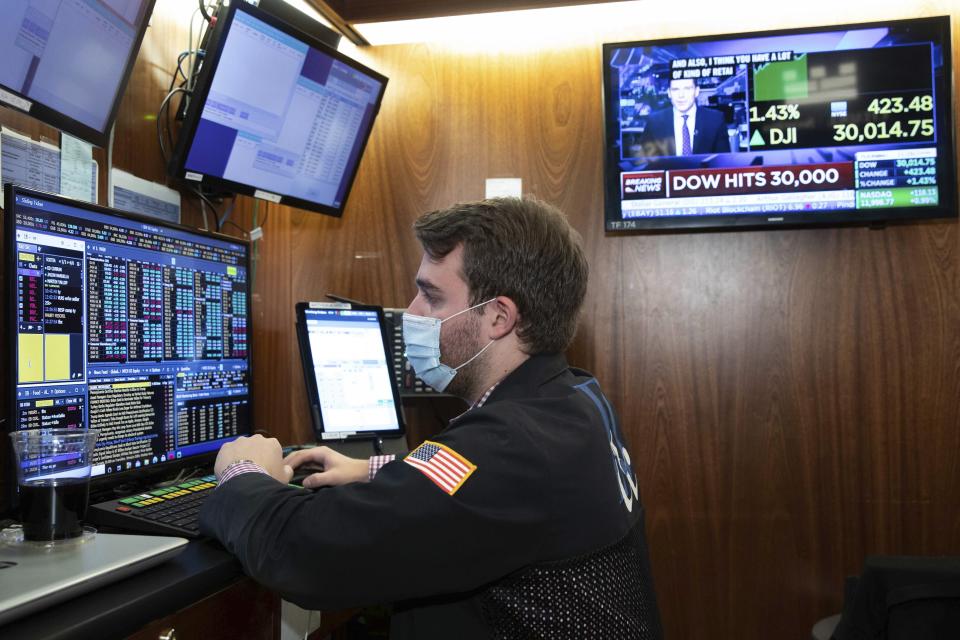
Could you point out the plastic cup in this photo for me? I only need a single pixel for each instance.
(53, 481)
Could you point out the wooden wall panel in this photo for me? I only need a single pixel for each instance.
(791, 398)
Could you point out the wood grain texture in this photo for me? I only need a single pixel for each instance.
(791, 399)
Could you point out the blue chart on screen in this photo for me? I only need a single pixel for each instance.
(134, 328)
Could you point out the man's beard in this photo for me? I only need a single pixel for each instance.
(463, 343)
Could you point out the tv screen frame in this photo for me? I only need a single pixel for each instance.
(145, 474)
(177, 166)
(649, 174)
(14, 99)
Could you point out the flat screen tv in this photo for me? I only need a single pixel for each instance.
(277, 115)
(841, 124)
(132, 326)
(67, 62)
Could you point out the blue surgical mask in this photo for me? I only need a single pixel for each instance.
(421, 335)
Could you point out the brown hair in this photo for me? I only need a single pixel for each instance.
(524, 249)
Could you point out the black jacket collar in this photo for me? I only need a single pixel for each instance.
(523, 381)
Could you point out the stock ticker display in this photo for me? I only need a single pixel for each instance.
(136, 329)
(846, 120)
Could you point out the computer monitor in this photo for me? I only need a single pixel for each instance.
(277, 115)
(67, 62)
(348, 371)
(134, 327)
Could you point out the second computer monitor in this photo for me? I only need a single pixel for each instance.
(349, 372)
(277, 115)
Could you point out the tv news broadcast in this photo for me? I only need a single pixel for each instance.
(832, 125)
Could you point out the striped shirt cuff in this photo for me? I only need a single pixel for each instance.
(376, 463)
(239, 468)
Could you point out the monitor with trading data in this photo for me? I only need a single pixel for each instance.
(67, 62)
(348, 370)
(133, 327)
(277, 115)
(839, 124)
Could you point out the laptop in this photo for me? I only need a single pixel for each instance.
(33, 578)
(348, 368)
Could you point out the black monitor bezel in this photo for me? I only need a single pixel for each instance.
(946, 209)
(297, 18)
(65, 123)
(313, 399)
(177, 165)
(145, 474)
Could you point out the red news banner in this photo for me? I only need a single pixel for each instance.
(639, 185)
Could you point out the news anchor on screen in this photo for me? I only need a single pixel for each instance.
(685, 128)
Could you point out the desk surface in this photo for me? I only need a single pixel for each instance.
(121, 608)
(124, 607)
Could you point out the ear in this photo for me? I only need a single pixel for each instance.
(501, 317)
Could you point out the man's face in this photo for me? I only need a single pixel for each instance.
(442, 292)
(683, 94)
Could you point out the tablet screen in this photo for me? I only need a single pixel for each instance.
(348, 371)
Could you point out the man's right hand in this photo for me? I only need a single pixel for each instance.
(337, 468)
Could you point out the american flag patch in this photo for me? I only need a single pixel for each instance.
(447, 468)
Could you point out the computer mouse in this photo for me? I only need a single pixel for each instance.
(304, 470)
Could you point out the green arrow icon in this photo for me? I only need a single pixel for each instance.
(756, 139)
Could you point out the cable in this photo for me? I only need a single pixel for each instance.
(180, 478)
(173, 81)
(255, 258)
(191, 80)
(190, 46)
(113, 130)
(180, 58)
(226, 215)
(170, 125)
(203, 210)
(205, 199)
(203, 12)
(163, 106)
(193, 50)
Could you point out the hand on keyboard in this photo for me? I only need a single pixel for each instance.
(265, 452)
(335, 468)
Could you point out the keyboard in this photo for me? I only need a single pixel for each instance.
(168, 511)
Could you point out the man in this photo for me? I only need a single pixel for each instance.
(522, 518)
(684, 129)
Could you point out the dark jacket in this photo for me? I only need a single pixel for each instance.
(547, 496)
(709, 136)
